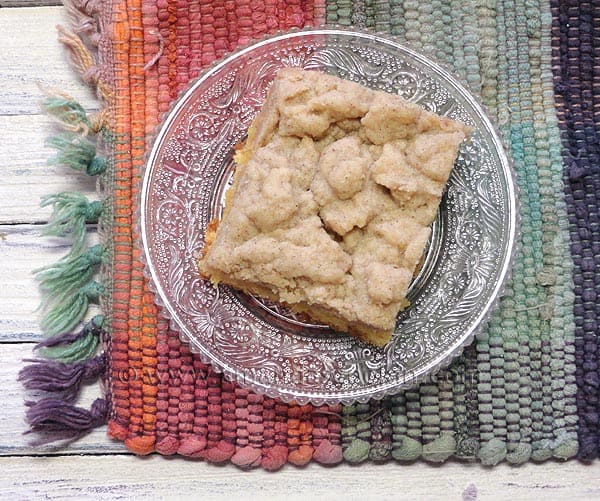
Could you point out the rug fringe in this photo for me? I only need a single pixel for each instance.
(68, 309)
(83, 16)
(71, 272)
(70, 214)
(67, 112)
(60, 377)
(70, 115)
(83, 60)
(77, 152)
(56, 419)
(74, 347)
(67, 358)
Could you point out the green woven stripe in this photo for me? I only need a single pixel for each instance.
(397, 18)
(512, 396)
(514, 319)
(356, 432)
(430, 412)
(460, 425)
(413, 415)
(557, 271)
(412, 24)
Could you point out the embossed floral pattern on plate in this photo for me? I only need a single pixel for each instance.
(261, 345)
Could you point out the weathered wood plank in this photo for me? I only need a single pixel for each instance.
(26, 175)
(123, 477)
(31, 57)
(29, 3)
(22, 249)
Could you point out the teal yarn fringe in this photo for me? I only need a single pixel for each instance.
(68, 113)
(71, 272)
(80, 349)
(75, 347)
(70, 214)
(77, 152)
(68, 309)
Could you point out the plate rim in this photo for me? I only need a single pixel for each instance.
(513, 227)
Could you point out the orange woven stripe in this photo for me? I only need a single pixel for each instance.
(146, 327)
(121, 224)
(149, 361)
(152, 50)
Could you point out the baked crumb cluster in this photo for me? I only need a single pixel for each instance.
(333, 197)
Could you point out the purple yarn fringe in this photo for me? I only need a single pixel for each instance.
(56, 419)
(47, 375)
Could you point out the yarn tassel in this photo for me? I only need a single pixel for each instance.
(70, 213)
(83, 61)
(67, 310)
(73, 347)
(56, 419)
(82, 15)
(68, 113)
(51, 376)
(71, 272)
(81, 349)
(77, 152)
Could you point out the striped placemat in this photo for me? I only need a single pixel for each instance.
(527, 389)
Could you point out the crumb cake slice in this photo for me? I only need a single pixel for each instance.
(334, 193)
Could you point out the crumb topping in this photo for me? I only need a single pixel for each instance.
(334, 193)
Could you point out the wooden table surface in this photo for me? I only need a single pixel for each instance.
(96, 467)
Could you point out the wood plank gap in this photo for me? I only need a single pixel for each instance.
(29, 3)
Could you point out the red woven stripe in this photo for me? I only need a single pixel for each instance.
(137, 291)
(164, 440)
(195, 43)
(183, 49)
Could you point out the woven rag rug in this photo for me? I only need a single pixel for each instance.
(526, 389)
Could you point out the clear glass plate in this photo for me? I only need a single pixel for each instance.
(261, 345)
